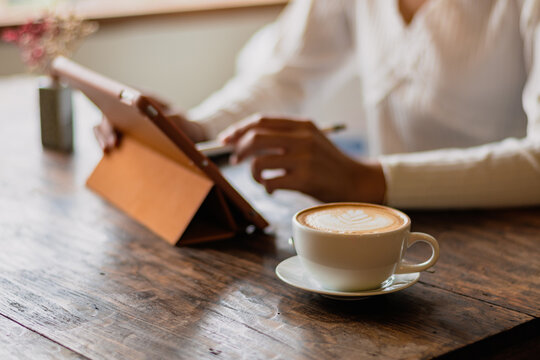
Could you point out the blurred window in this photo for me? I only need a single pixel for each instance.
(16, 12)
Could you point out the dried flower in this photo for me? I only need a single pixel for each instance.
(43, 39)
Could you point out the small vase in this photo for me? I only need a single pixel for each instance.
(56, 115)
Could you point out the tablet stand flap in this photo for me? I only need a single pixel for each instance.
(159, 193)
(213, 221)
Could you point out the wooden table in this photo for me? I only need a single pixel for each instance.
(79, 279)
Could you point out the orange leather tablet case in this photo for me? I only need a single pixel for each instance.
(157, 175)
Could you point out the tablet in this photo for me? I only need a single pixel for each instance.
(141, 118)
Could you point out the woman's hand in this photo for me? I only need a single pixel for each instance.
(311, 163)
(107, 136)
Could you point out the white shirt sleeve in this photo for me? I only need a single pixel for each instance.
(282, 65)
(505, 173)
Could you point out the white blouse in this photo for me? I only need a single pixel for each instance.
(452, 100)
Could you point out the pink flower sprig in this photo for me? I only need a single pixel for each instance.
(41, 40)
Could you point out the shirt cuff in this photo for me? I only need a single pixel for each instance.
(505, 173)
(418, 181)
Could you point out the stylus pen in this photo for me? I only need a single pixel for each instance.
(215, 148)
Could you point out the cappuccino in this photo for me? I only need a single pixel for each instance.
(351, 219)
(356, 246)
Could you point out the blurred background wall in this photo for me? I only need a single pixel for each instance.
(184, 58)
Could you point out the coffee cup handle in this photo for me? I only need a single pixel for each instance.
(413, 238)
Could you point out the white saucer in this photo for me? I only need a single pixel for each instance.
(292, 272)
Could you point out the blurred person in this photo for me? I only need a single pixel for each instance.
(451, 92)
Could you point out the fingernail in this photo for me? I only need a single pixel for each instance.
(233, 159)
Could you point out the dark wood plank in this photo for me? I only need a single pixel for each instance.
(17, 342)
(86, 276)
(489, 255)
(520, 343)
(136, 296)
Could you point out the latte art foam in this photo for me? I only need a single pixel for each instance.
(350, 219)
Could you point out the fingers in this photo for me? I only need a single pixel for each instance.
(262, 141)
(289, 181)
(105, 135)
(233, 133)
(269, 162)
(293, 175)
(292, 145)
(269, 134)
(100, 138)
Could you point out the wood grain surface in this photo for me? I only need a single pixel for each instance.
(18, 342)
(489, 255)
(85, 280)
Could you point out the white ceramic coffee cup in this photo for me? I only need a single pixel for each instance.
(355, 262)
